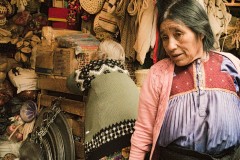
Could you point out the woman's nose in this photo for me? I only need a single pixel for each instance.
(172, 44)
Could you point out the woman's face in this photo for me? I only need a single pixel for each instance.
(181, 44)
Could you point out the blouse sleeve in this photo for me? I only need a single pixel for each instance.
(228, 66)
(147, 109)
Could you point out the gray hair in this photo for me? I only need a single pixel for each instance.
(110, 49)
(193, 15)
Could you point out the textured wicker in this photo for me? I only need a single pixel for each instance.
(96, 27)
(92, 6)
(107, 20)
(140, 76)
(104, 35)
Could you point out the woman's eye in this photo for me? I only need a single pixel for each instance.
(178, 35)
(164, 38)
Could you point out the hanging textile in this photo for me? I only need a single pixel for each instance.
(145, 31)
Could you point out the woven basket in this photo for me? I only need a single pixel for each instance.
(92, 6)
(96, 27)
(107, 20)
(140, 76)
(104, 35)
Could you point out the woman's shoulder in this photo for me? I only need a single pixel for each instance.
(231, 57)
(162, 65)
(95, 69)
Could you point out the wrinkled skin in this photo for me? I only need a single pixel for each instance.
(181, 44)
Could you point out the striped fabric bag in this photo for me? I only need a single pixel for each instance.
(107, 20)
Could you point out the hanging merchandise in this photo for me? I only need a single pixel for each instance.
(92, 6)
(127, 22)
(101, 33)
(73, 11)
(107, 20)
(219, 18)
(86, 21)
(146, 31)
(231, 40)
(96, 27)
(85, 16)
(111, 6)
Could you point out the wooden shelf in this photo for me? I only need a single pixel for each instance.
(73, 105)
(70, 106)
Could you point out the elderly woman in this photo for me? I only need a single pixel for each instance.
(111, 107)
(189, 104)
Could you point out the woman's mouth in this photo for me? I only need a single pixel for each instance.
(176, 56)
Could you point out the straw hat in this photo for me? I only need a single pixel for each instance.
(92, 6)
